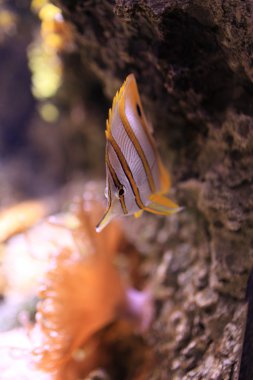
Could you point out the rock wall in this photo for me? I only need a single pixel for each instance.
(193, 63)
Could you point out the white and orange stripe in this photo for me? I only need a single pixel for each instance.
(136, 177)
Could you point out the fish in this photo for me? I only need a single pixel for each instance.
(136, 179)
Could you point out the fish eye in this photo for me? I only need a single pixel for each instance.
(121, 192)
(138, 109)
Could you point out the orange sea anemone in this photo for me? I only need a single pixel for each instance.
(20, 217)
(87, 313)
(81, 293)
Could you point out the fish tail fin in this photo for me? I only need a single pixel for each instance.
(164, 177)
(162, 205)
(107, 217)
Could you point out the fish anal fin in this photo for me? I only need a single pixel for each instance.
(161, 205)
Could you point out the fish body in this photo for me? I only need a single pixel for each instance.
(136, 178)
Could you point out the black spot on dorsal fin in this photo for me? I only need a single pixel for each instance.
(138, 109)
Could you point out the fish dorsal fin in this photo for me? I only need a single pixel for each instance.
(114, 104)
(161, 205)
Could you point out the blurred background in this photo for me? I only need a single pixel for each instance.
(50, 131)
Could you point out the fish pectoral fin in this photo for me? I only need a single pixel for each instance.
(107, 217)
(161, 205)
(138, 214)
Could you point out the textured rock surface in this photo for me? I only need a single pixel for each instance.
(193, 63)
